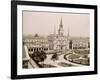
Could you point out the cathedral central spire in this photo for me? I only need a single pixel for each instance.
(61, 24)
(60, 30)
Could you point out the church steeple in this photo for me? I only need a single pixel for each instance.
(61, 24)
(54, 30)
(60, 30)
(68, 34)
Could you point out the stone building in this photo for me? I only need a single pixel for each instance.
(80, 43)
(58, 41)
(36, 43)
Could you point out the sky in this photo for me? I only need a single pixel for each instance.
(44, 23)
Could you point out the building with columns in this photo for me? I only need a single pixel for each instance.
(36, 43)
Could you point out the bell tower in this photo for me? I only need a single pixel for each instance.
(60, 30)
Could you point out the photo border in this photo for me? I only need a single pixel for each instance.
(14, 39)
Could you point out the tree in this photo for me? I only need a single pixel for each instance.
(39, 56)
(54, 57)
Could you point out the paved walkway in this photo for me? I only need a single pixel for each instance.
(61, 59)
(33, 64)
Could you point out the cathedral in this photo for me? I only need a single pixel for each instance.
(60, 41)
(55, 42)
(51, 44)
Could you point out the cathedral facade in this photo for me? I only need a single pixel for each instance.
(61, 42)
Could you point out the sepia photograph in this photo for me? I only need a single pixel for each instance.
(55, 40)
